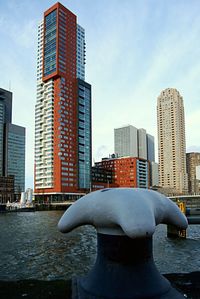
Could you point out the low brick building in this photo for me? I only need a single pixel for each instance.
(129, 172)
(6, 189)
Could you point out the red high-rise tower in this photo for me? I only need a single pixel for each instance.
(57, 148)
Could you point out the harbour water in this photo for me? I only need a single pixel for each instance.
(31, 247)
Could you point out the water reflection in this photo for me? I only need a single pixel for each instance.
(31, 247)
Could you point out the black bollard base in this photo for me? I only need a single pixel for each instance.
(124, 269)
(79, 293)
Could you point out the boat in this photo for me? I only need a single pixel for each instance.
(24, 205)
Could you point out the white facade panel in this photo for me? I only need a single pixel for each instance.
(44, 120)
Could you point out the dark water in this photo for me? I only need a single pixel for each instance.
(32, 248)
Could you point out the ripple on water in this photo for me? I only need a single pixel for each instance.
(33, 248)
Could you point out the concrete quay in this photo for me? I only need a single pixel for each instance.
(187, 283)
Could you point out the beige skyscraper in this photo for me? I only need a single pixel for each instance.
(171, 141)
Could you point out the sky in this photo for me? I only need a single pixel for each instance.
(134, 50)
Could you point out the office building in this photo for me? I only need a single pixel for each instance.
(193, 171)
(128, 172)
(101, 178)
(63, 108)
(15, 155)
(12, 145)
(132, 142)
(150, 148)
(154, 177)
(171, 141)
(5, 117)
(142, 144)
(84, 135)
(125, 141)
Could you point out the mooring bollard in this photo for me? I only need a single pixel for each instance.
(125, 220)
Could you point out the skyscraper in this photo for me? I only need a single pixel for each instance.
(15, 155)
(125, 141)
(150, 148)
(12, 144)
(142, 144)
(171, 141)
(132, 142)
(63, 107)
(5, 117)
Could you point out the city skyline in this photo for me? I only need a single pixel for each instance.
(128, 64)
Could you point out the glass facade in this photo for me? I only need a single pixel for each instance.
(84, 134)
(80, 52)
(1, 136)
(5, 117)
(15, 156)
(50, 43)
(62, 51)
(142, 174)
(150, 148)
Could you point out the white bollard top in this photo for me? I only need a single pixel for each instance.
(123, 211)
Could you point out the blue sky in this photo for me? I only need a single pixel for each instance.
(134, 49)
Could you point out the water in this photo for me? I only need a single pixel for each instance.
(31, 247)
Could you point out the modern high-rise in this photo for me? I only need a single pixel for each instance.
(171, 141)
(5, 117)
(15, 155)
(154, 177)
(142, 144)
(63, 107)
(150, 148)
(132, 142)
(193, 170)
(125, 141)
(12, 144)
